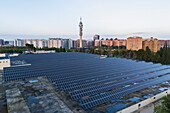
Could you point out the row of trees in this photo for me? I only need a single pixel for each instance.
(30, 47)
(13, 50)
(162, 56)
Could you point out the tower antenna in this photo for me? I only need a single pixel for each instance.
(81, 32)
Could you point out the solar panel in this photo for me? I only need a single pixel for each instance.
(105, 87)
(81, 74)
(99, 99)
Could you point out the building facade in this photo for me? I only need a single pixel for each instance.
(19, 42)
(134, 43)
(120, 42)
(59, 42)
(90, 43)
(4, 61)
(37, 43)
(96, 39)
(55, 42)
(112, 42)
(77, 43)
(165, 42)
(97, 43)
(108, 43)
(1, 42)
(67, 43)
(153, 44)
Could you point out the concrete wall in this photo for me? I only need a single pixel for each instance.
(15, 54)
(144, 102)
(2, 55)
(4, 63)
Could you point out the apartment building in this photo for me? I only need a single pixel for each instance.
(77, 43)
(134, 43)
(153, 44)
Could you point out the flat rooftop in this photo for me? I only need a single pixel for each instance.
(86, 82)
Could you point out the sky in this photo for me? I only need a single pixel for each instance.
(108, 18)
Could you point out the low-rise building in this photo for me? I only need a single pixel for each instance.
(4, 61)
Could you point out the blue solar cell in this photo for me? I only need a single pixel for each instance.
(87, 103)
(79, 73)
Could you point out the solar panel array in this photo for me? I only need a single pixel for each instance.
(86, 75)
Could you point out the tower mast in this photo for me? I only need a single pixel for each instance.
(81, 32)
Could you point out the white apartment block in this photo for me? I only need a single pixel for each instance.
(37, 43)
(70, 44)
(58, 42)
(55, 42)
(19, 42)
(50, 43)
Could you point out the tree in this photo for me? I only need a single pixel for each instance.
(140, 54)
(147, 55)
(165, 107)
(30, 46)
(115, 52)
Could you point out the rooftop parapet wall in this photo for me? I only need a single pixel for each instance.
(144, 102)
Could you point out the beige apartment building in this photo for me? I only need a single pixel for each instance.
(97, 43)
(134, 43)
(120, 42)
(165, 42)
(153, 44)
(107, 42)
(77, 43)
